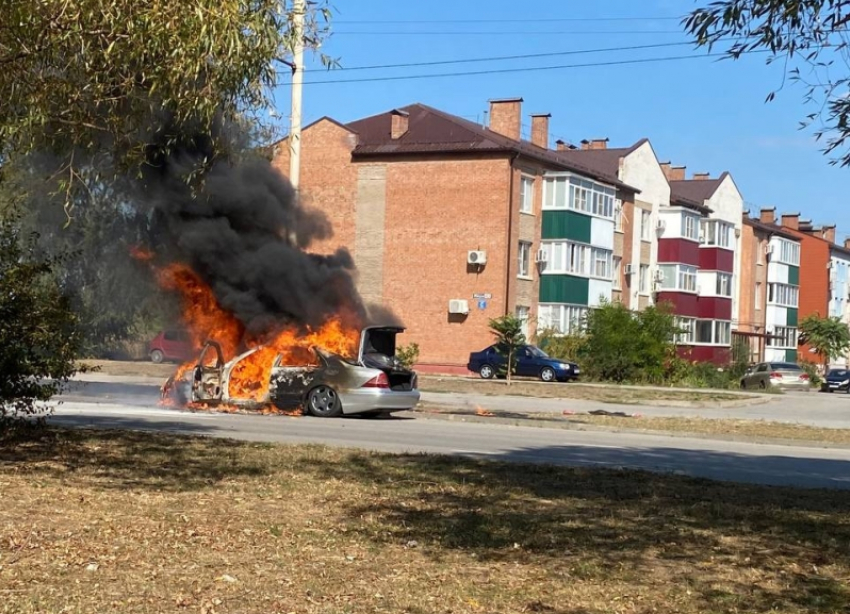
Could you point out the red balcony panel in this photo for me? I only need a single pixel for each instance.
(714, 308)
(716, 259)
(717, 355)
(678, 250)
(683, 304)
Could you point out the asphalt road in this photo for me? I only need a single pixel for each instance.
(116, 405)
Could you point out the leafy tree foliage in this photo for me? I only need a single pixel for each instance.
(114, 295)
(808, 36)
(621, 345)
(829, 337)
(509, 338)
(85, 78)
(39, 334)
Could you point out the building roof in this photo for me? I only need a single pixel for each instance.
(687, 203)
(433, 131)
(773, 229)
(602, 160)
(698, 190)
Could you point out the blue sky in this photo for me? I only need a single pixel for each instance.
(710, 116)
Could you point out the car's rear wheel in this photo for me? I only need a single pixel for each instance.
(762, 385)
(324, 402)
(743, 385)
(487, 372)
(157, 356)
(547, 374)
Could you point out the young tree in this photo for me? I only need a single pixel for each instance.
(81, 81)
(808, 36)
(829, 337)
(39, 337)
(509, 338)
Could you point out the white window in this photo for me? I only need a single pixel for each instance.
(563, 319)
(618, 267)
(783, 337)
(783, 294)
(713, 332)
(717, 233)
(645, 225)
(690, 226)
(524, 259)
(643, 279)
(618, 215)
(678, 277)
(526, 195)
(577, 259)
(724, 284)
(687, 326)
(578, 194)
(522, 314)
(789, 252)
(601, 262)
(757, 295)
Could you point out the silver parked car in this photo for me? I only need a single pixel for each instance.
(325, 385)
(776, 375)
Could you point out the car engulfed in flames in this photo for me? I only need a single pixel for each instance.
(301, 376)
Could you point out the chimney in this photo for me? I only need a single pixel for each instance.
(400, 121)
(665, 168)
(560, 145)
(791, 220)
(540, 129)
(506, 117)
(828, 233)
(701, 176)
(677, 173)
(847, 243)
(767, 216)
(594, 144)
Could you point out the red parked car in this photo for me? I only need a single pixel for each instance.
(172, 345)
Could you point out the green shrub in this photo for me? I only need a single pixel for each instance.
(563, 347)
(408, 355)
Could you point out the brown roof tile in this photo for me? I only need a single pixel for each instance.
(433, 131)
(698, 190)
(602, 160)
(769, 228)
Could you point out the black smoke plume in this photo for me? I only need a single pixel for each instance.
(236, 221)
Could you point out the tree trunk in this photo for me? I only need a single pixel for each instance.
(510, 364)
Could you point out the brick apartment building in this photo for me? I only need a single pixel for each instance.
(699, 260)
(768, 289)
(635, 221)
(447, 219)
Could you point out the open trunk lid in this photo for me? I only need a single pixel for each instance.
(377, 351)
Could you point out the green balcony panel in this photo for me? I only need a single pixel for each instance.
(566, 225)
(794, 275)
(792, 318)
(564, 289)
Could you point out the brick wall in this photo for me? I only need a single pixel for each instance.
(435, 212)
(328, 179)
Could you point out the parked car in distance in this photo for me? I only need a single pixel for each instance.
(170, 345)
(776, 375)
(837, 380)
(531, 362)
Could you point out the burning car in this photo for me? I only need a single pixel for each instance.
(323, 383)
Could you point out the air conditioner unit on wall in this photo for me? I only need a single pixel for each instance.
(476, 257)
(629, 269)
(660, 225)
(768, 250)
(659, 275)
(459, 306)
(542, 256)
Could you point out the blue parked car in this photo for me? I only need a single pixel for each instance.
(531, 362)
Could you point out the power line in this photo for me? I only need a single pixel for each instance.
(512, 57)
(558, 20)
(526, 69)
(496, 32)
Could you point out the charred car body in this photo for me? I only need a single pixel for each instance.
(325, 385)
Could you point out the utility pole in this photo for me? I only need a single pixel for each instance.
(299, 9)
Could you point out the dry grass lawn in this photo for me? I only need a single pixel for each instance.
(129, 522)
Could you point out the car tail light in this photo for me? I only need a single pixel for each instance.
(379, 381)
(804, 376)
(775, 375)
(414, 382)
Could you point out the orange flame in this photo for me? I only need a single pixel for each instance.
(249, 380)
(480, 411)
